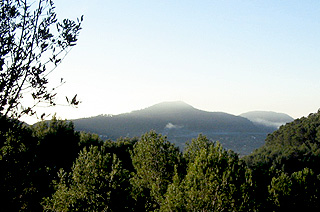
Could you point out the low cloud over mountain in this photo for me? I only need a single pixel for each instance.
(172, 126)
(268, 118)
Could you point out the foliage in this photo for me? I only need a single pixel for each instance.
(154, 159)
(88, 139)
(58, 144)
(290, 149)
(174, 197)
(216, 180)
(16, 165)
(192, 148)
(97, 182)
(298, 190)
(32, 44)
(30, 158)
(122, 148)
(151, 174)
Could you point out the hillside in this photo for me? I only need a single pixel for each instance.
(292, 146)
(180, 122)
(289, 162)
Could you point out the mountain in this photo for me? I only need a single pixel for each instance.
(291, 148)
(180, 122)
(268, 118)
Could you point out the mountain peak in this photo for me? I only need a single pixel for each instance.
(172, 104)
(165, 108)
(180, 122)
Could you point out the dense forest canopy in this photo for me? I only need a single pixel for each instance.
(52, 167)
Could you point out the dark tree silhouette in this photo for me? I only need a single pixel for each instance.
(32, 43)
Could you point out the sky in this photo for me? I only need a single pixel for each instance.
(230, 56)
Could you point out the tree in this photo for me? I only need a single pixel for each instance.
(174, 197)
(292, 147)
(17, 160)
(32, 44)
(122, 147)
(96, 182)
(58, 145)
(289, 149)
(295, 191)
(192, 148)
(216, 180)
(30, 158)
(154, 159)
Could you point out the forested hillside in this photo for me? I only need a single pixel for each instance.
(52, 167)
(181, 122)
(286, 169)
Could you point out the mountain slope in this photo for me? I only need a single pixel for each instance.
(268, 118)
(291, 148)
(180, 122)
(160, 116)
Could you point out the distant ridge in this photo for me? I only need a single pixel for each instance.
(180, 122)
(158, 116)
(268, 118)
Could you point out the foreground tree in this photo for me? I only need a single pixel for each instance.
(154, 159)
(97, 182)
(193, 148)
(295, 191)
(30, 158)
(17, 166)
(216, 180)
(32, 44)
(58, 147)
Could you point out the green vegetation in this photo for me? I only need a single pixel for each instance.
(215, 180)
(97, 182)
(154, 159)
(52, 167)
(286, 169)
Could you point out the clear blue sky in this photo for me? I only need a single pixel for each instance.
(231, 56)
